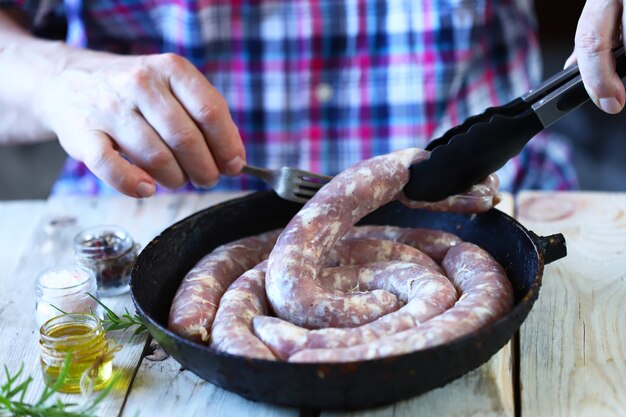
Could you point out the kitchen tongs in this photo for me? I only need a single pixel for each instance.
(469, 152)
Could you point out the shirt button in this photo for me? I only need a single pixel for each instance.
(324, 92)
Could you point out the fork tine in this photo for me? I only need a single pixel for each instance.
(304, 192)
(308, 184)
(290, 183)
(300, 196)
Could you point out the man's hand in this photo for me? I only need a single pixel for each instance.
(600, 29)
(134, 120)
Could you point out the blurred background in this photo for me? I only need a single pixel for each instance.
(598, 139)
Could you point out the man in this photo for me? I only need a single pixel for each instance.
(320, 85)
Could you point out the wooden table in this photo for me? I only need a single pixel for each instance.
(568, 359)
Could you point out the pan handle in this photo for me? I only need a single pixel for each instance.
(552, 247)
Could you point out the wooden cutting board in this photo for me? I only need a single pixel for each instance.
(573, 344)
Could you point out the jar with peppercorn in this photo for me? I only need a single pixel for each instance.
(111, 253)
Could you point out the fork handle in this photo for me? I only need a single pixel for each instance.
(263, 173)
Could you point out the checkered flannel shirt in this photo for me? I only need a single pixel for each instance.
(324, 84)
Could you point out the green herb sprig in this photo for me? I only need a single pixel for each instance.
(13, 391)
(112, 321)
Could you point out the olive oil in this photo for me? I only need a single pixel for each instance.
(83, 336)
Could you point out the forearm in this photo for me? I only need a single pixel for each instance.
(25, 63)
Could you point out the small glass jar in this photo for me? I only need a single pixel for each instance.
(111, 253)
(91, 357)
(65, 289)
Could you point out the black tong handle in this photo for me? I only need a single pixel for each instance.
(565, 92)
(468, 153)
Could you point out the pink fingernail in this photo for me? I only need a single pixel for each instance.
(233, 167)
(145, 189)
(206, 186)
(610, 105)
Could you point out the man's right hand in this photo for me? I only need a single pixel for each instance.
(134, 120)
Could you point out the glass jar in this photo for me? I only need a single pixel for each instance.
(111, 253)
(65, 289)
(83, 336)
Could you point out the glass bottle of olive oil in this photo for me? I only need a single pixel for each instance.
(83, 335)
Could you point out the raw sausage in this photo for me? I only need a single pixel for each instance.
(244, 300)
(480, 198)
(425, 292)
(301, 249)
(195, 303)
(291, 280)
(486, 294)
(434, 243)
(342, 293)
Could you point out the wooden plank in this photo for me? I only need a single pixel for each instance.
(47, 246)
(573, 344)
(485, 391)
(162, 387)
(18, 219)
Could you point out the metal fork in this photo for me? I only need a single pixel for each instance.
(290, 183)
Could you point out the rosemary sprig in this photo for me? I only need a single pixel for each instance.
(112, 321)
(13, 391)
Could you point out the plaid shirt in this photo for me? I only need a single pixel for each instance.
(324, 84)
